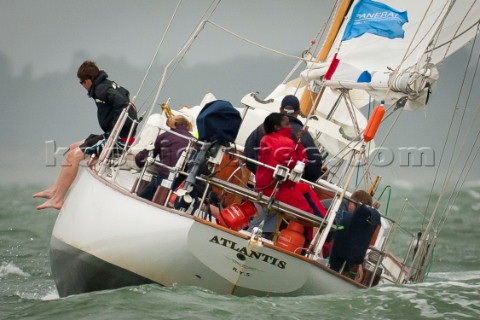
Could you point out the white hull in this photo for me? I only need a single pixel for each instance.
(167, 247)
(105, 237)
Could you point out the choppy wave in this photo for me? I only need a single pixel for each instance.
(472, 184)
(454, 276)
(475, 194)
(8, 268)
(27, 290)
(441, 300)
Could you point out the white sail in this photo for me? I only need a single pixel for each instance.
(402, 65)
(113, 238)
(459, 27)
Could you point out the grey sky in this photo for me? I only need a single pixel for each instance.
(45, 34)
(43, 42)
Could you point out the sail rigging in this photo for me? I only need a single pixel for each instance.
(403, 65)
(177, 239)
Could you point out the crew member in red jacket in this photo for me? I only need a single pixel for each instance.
(278, 148)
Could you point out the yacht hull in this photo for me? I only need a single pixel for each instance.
(106, 238)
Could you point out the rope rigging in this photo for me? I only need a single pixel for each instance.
(457, 187)
(450, 128)
(206, 20)
(157, 50)
(208, 12)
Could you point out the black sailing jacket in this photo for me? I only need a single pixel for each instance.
(111, 99)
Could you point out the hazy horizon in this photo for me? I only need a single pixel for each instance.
(42, 100)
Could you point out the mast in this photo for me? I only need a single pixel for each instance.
(306, 102)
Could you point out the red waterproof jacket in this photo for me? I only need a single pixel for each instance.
(277, 148)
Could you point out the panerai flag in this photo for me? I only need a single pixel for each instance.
(377, 18)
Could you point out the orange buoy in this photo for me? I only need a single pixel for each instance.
(236, 216)
(373, 123)
(291, 238)
(230, 172)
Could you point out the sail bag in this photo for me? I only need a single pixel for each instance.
(218, 121)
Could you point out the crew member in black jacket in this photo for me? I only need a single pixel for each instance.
(110, 99)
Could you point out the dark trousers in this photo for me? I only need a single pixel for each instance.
(149, 191)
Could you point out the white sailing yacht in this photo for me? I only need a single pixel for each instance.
(388, 52)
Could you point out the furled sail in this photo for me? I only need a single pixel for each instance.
(401, 63)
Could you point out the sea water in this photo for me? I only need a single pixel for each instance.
(27, 290)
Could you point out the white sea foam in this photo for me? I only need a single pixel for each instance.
(474, 194)
(404, 184)
(33, 293)
(454, 208)
(52, 295)
(10, 268)
(455, 276)
(472, 184)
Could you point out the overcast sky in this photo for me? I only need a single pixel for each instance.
(46, 34)
(43, 42)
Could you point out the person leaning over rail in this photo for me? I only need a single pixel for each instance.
(358, 196)
(168, 147)
(290, 106)
(356, 230)
(346, 207)
(110, 99)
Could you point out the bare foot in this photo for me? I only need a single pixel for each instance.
(47, 194)
(52, 203)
